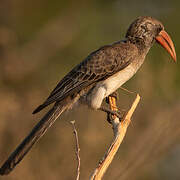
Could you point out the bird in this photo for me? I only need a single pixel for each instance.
(100, 74)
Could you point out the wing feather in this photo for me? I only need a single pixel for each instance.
(98, 66)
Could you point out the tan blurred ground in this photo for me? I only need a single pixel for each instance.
(40, 41)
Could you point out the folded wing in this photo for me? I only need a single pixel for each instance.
(98, 66)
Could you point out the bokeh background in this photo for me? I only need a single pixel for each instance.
(40, 41)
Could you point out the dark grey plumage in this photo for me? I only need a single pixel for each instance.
(98, 66)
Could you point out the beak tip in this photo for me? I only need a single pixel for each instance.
(175, 58)
(165, 41)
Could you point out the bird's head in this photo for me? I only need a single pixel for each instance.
(145, 30)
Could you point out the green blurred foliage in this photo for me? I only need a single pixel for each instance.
(40, 41)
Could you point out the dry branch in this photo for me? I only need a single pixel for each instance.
(77, 149)
(119, 130)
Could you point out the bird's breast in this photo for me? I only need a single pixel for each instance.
(114, 82)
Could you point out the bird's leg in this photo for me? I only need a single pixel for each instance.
(112, 101)
(114, 95)
(112, 111)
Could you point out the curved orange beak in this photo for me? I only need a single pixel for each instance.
(165, 41)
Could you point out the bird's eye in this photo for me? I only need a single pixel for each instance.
(159, 29)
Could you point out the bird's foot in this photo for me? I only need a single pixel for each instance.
(111, 117)
(111, 114)
(113, 111)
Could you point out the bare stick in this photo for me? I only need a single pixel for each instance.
(77, 149)
(119, 130)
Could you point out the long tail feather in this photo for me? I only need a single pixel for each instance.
(37, 132)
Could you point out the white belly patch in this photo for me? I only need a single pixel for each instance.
(108, 86)
(114, 82)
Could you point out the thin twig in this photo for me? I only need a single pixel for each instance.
(124, 89)
(119, 130)
(77, 149)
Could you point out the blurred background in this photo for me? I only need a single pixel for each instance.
(42, 40)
